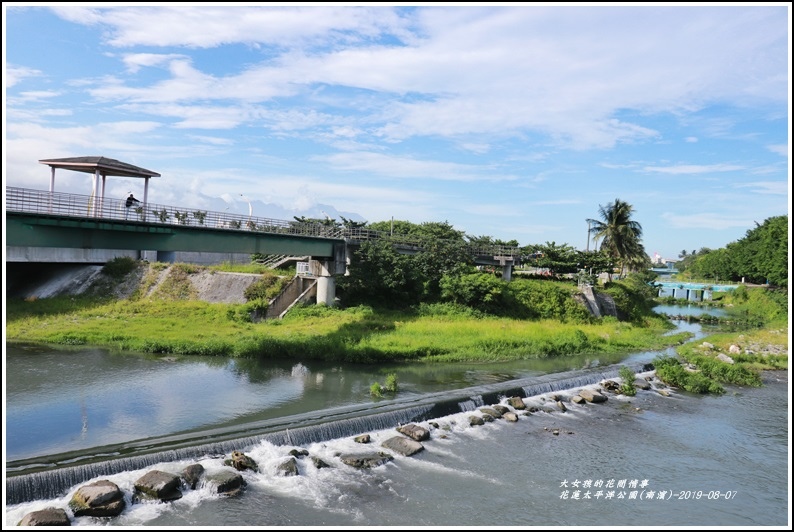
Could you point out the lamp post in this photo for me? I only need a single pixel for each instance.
(250, 208)
(250, 212)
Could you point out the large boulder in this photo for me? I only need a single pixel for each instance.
(192, 474)
(404, 446)
(366, 460)
(241, 461)
(475, 421)
(159, 485)
(494, 413)
(517, 403)
(226, 482)
(592, 396)
(415, 432)
(102, 498)
(47, 517)
(288, 468)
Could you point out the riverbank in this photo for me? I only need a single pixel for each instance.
(186, 310)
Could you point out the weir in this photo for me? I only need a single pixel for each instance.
(297, 431)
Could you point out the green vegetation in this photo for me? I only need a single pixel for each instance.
(376, 390)
(706, 367)
(428, 332)
(621, 237)
(431, 306)
(119, 267)
(627, 377)
(760, 257)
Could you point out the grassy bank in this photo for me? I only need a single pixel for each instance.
(358, 334)
(164, 317)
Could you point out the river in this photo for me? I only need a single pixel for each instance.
(648, 460)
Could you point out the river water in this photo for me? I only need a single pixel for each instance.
(72, 416)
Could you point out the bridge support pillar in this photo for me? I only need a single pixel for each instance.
(326, 290)
(324, 270)
(506, 262)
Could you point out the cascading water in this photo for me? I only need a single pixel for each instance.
(315, 427)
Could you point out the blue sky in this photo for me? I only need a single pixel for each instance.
(511, 121)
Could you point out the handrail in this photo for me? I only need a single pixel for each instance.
(47, 203)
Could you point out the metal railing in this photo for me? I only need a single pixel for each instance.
(47, 203)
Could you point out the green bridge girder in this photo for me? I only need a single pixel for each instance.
(37, 230)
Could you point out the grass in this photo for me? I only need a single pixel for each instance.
(359, 334)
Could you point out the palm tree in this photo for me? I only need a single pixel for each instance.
(619, 234)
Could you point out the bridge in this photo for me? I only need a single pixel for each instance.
(47, 226)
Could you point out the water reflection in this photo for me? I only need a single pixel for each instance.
(67, 400)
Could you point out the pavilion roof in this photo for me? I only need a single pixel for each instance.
(105, 165)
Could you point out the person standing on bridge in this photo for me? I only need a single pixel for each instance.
(131, 202)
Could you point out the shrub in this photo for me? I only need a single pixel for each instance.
(627, 376)
(266, 287)
(391, 383)
(119, 267)
(376, 390)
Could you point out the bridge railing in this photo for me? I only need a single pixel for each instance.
(65, 204)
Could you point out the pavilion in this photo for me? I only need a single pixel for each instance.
(100, 167)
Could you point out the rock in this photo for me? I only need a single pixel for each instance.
(502, 409)
(319, 463)
(102, 498)
(415, 432)
(510, 416)
(562, 406)
(297, 453)
(725, 358)
(495, 414)
(592, 396)
(241, 462)
(642, 384)
(47, 517)
(226, 482)
(287, 468)
(366, 460)
(192, 474)
(475, 421)
(364, 438)
(158, 485)
(578, 399)
(517, 403)
(734, 349)
(404, 446)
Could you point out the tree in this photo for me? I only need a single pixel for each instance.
(620, 236)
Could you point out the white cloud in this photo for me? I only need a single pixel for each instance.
(780, 149)
(705, 220)
(767, 187)
(134, 62)
(691, 139)
(409, 168)
(461, 67)
(17, 74)
(694, 168)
